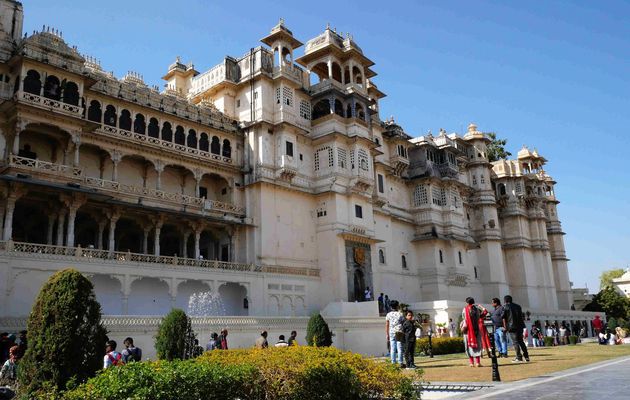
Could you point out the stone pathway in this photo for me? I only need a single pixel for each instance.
(608, 379)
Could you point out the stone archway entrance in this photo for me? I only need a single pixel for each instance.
(359, 270)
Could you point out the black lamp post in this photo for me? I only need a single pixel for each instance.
(493, 350)
(430, 333)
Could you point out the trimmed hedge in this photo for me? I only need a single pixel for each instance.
(440, 345)
(573, 339)
(293, 373)
(548, 341)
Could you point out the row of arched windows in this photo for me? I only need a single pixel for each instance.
(52, 88)
(323, 108)
(138, 124)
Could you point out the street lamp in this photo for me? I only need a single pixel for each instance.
(430, 333)
(493, 350)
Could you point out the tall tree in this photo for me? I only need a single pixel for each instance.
(66, 337)
(611, 302)
(605, 279)
(175, 339)
(496, 148)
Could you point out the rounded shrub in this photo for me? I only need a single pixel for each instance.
(175, 337)
(573, 339)
(440, 345)
(548, 341)
(66, 337)
(317, 332)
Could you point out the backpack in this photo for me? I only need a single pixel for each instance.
(116, 361)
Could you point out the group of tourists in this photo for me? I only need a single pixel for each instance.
(263, 343)
(218, 341)
(12, 349)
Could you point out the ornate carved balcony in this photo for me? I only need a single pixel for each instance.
(447, 170)
(399, 164)
(288, 167)
(50, 104)
(78, 254)
(45, 167)
(292, 72)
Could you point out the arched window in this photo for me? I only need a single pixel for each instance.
(167, 132)
(441, 257)
(191, 141)
(403, 261)
(215, 146)
(139, 124)
(321, 109)
(180, 136)
(227, 150)
(346, 75)
(338, 107)
(349, 110)
(502, 191)
(356, 74)
(360, 113)
(71, 94)
(154, 128)
(204, 145)
(32, 82)
(336, 72)
(125, 120)
(52, 88)
(110, 115)
(381, 256)
(94, 112)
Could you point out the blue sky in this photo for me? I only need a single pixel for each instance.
(553, 75)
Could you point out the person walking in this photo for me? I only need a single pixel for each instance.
(261, 342)
(293, 339)
(472, 322)
(409, 332)
(514, 323)
(393, 329)
(452, 328)
(500, 338)
(131, 352)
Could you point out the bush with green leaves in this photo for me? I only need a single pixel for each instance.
(66, 337)
(612, 323)
(175, 339)
(440, 345)
(292, 373)
(573, 339)
(317, 332)
(549, 340)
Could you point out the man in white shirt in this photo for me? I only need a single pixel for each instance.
(281, 342)
(368, 294)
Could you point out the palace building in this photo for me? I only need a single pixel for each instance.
(270, 179)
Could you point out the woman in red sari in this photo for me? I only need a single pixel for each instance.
(475, 333)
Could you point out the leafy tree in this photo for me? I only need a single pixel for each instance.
(608, 300)
(605, 279)
(496, 148)
(175, 338)
(317, 332)
(66, 337)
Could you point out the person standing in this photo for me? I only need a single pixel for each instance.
(388, 304)
(381, 305)
(223, 339)
(472, 322)
(112, 357)
(281, 342)
(213, 343)
(368, 294)
(452, 328)
(10, 366)
(409, 332)
(261, 342)
(499, 331)
(293, 339)
(131, 352)
(598, 325)
(514, 323)
(563, 334)
(393, 329)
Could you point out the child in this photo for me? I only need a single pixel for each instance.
(409, 346)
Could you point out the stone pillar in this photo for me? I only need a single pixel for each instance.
(156, 241)
(99, 236)
(8, 218)
(197, 238)
(113, 218)
(51, 226)
(159, 168)
(350, 68)
(19, 126)
(60, 225)
(72, 214)
(76, 139)
(185, 237)
(116, 157)
(330, 72)
(145, 240)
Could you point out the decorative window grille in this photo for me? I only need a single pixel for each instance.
(352, 160)
(443, 196)
(342, 156)
(363, 160)
(278, 91)
(519, 188)
(436, 195)
(318, 157)
(316, 160)
(287, 96)
(474, 179)
(455, 198)
(482, 179)
(420, 196)
(305, 109)
(331, 160)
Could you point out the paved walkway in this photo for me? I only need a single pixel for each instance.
(605, 380)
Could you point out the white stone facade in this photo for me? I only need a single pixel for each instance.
(270, 180)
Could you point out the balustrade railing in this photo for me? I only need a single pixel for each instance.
(157, 142)
(46, 102)
(44, 166)
(46, 251)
